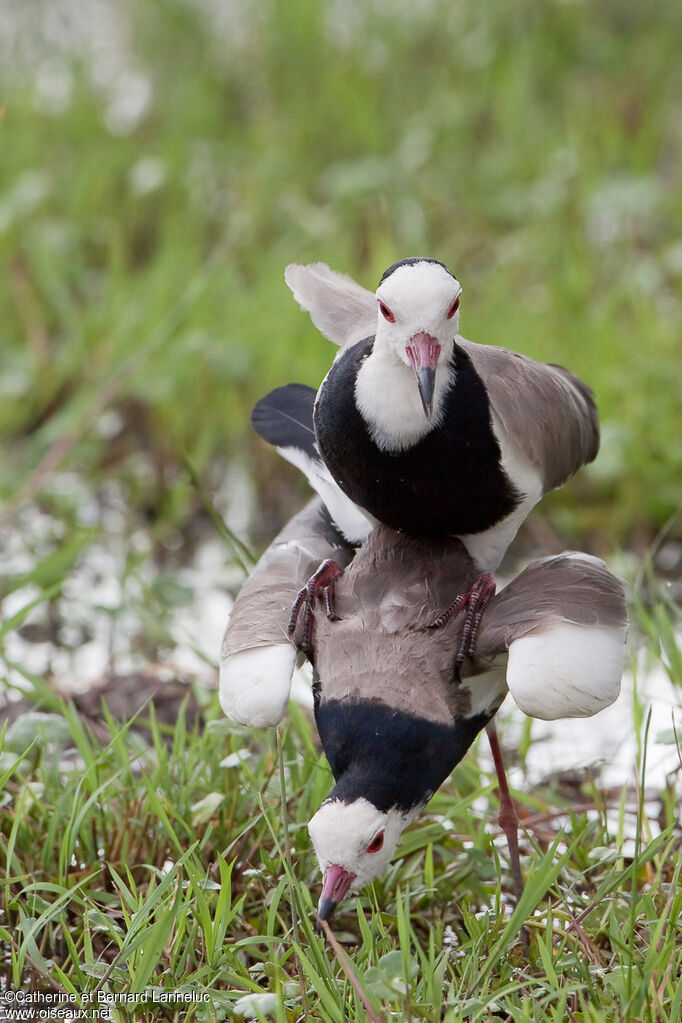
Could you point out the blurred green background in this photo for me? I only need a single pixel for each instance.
(162, 161)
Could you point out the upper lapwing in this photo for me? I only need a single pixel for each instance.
(416, 427)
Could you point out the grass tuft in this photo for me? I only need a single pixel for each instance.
(140, 865)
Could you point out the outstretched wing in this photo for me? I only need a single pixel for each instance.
(543, 410)
(563, 621)
(257, 657)
(340, 308)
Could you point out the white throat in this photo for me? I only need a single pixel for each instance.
(387, 397)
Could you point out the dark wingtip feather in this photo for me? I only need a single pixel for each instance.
(284, 418)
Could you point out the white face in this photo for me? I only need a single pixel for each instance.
(355, 836)
(418, 297)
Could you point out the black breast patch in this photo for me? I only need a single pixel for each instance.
(450, 483)
(387, 756)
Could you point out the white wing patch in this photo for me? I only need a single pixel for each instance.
(255, 684)
(355, 524)
(568, 671)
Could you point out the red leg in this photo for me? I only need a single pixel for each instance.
(507, 817)
(320, 585)
(475, 602)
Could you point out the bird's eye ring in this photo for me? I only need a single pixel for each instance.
(376, 843)
(386, 312)
(453, 308)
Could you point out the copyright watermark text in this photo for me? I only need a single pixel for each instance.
(17, 1004)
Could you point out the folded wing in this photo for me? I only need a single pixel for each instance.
(284, 418)
(543, 410)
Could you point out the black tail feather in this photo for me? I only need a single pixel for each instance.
(284, 418)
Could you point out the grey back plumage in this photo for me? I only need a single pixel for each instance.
(381, 648)
(397, 586)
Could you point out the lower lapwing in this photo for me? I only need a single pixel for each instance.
(397, 700)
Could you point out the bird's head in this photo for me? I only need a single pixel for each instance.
(353, 843)
(418, 318)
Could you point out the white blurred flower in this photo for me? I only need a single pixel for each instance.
(148, 174)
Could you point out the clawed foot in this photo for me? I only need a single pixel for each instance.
(475, 601)
(321, 585)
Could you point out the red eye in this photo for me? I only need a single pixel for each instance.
(376, 843)
(453, 308)
(386, 313)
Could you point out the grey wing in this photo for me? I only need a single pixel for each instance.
(563, 622)
(261, 611)
(257, 656)
(544, 410)
(341, 309)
